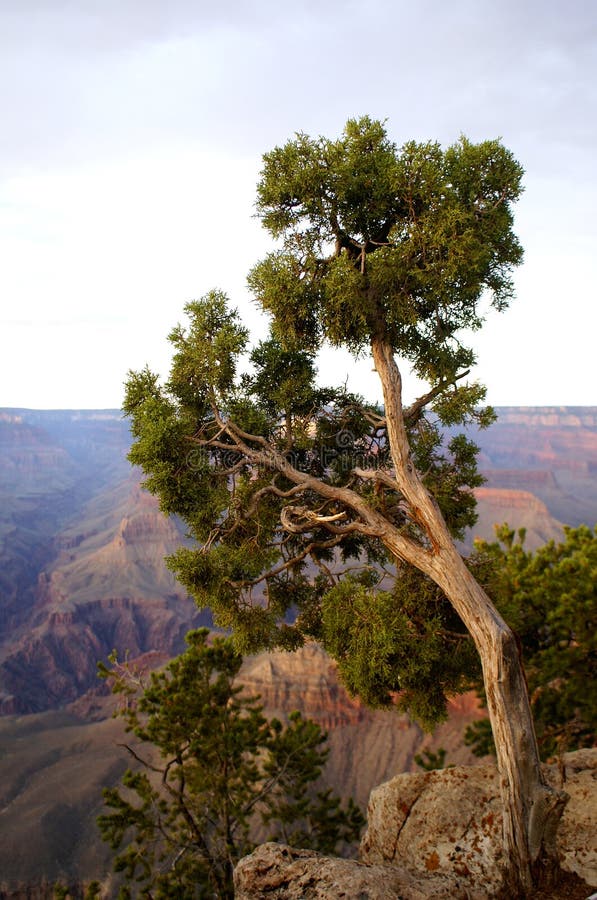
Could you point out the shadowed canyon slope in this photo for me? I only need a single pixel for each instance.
(81, 556)
(82, 572)
(51, 464)
(106, 588)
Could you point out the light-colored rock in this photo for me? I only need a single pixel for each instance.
(430, 835)
(577, 834)
(443, 821)
(521, 509)
(277, 872)
(450, 821)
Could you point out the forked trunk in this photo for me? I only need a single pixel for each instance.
(531, 809)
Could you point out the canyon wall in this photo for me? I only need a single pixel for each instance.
(82, 573)
(81, 546)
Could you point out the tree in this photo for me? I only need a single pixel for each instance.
(430, 760)
(317, 514)
(550, 599)
(185, 816)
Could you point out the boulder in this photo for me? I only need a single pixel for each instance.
(450, 821)
(430, 835)
(577, 834)
(277, 871)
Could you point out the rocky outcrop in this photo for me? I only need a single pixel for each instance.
(548, 416)
(432, 834)
(57, 761)
(520, 479)
(551, 451)
(57, 661)
(77, 542)
(51, 464)
(276, 871)
(577, 834)
(305, 680)
(446, 820)
(108, 588)
(450, 821)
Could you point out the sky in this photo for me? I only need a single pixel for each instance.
(132, 136)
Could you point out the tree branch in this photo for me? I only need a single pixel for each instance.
(379, 475)
(288, 563)
(412, 411)
(140, 759)
(372, 522)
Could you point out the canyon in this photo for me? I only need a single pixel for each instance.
(82, 573)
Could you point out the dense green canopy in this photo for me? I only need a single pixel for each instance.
(287, 486)
(392, 251)
(380, 240)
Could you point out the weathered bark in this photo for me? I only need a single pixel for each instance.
(532, 810)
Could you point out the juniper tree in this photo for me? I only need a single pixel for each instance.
(316, 514)
(209, 767)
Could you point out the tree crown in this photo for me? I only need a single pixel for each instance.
(398, 243)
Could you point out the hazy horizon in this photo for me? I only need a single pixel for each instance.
(552, 407)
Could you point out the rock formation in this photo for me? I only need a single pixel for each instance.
(450, 821)
(58, 761)
(431, 834)
(277, 871)
(81, 572)
(107, 588)
(81, 546)
(520, 509)
(550, 451)
(366, 746)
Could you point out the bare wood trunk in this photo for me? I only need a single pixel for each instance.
(532, 810)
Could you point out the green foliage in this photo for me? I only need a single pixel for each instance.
(274, 474)
(416, 235)
(429, 761)
(550, 599)
(284, 380)
(479, 737)
(212, 767)
(449, 476)
(230, 502)
(297, 817)
(404, 647)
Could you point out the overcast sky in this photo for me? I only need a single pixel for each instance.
(132, 133)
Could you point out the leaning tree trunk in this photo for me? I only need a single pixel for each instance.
(531, 809)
